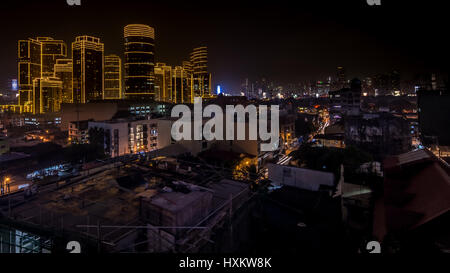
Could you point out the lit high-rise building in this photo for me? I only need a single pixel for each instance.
(201, 77)
(63, 71)
(47, 95)
(341, 77)
(87, 56)
(36, 59)
(187, 66)
(181, 89)
(29, 66)
(113, 77)
(139, 61)
(51, 50)
(163, 82)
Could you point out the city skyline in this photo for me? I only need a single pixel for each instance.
(48, 77)
(304, 43)
(247, 128)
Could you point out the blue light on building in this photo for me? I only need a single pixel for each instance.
(14, 85)
(218, 90)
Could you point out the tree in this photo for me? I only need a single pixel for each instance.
(250, 172)
(331, 159)
(77, 153)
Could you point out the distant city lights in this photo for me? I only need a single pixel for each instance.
(14, 85)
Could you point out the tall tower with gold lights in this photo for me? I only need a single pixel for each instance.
(139, 62)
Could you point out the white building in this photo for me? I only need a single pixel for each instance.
(124, 136)
(301, 178)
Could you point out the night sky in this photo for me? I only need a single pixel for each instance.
(282, 41)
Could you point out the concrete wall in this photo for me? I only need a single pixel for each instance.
(299, 177)
(176, 209)
(96, 111)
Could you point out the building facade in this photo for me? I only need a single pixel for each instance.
(201, 78)
(380, 134)
(36, 59)
(113, 77)
(78, 132)
(29, 68)
(110, 109)
(163, 82)
(181, 86)
(51, 51)
(63, 71)
(187, 66)
(139, 61)
(346, 101)
(341, 81)
(87, 55)
(124, 136)
(47, 95)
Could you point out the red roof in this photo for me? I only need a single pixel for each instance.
(416, 191)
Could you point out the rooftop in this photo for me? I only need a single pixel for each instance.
(416, 191)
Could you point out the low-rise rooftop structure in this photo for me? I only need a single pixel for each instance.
(415, 204)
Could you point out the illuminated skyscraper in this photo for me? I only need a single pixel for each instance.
(29, 66)
(37, 58)
(113, 77)
(87, 56)
(63, 71)
(201, 77)
(181, 89)
(51, 50)
(139, 61)
(47, 95)
(341, 77)
(163, 82)
(187, 66)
